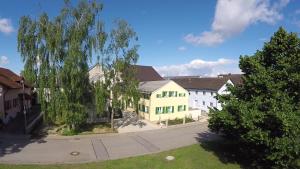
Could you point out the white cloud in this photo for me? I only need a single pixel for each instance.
(234, 16)
(182, 48)
(4, 60)
(200, 67)
(6, 26)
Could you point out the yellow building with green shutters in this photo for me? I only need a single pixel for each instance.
(162, 100)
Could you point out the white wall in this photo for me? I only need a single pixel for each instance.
(198, 96)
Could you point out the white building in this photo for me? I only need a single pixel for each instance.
(203, 91)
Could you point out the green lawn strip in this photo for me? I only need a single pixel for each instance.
(190, 157)
(179, 121)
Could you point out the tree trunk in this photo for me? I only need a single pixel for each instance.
(112, 118)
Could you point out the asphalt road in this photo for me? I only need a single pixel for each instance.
(51, 150)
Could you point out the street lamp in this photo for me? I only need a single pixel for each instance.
(24, 110)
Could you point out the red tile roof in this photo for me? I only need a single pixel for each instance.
(11, 75)
(10, 79)
(9, 83)
(205, 83)
(146, 73)
(235, 78)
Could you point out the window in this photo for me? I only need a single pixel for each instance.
(15, 102)
(211, 104)
(147, 109)
(196, 92)
(171, 93)
(181, 94)
(181, 108)
(164, 94)
(7, 105)
(211, 93)
(158, 110)
(189, 93)
(143, 108)
(146, 96)
(204, 92)
(158, 96)
(169, 109)
(203, 103)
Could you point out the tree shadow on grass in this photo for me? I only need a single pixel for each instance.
(226, 151)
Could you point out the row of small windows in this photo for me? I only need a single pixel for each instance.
(204, 103)
(204, 93)
(170, 94)
(169, 109)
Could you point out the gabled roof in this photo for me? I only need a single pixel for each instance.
(207, 83)
(151, 86)
(10, 79)
(142, 73)
(9, 74)
(235, 78)
(9, 83)
(146, 73)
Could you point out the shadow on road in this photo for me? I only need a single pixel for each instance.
(12, 143)
(13, 140)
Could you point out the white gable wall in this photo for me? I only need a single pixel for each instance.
(203, 99)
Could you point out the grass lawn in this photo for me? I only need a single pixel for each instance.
(190, 157)
(178, 121)
(93, 128)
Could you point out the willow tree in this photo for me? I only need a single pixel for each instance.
(56, 52)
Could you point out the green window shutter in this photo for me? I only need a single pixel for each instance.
(172, 109)
(184, 107)
(156, 110)
(178, 109)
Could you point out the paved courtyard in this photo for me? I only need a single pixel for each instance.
(55, 149)
(131, 123)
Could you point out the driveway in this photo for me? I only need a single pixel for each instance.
(51, 150)
(131, 123)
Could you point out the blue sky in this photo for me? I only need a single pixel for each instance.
(177, 37)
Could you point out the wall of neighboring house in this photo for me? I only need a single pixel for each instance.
(144, 105)
(204, 99)
(2, 102)
(96, 74)
(162, 107)
(11, 103)
(222, 91)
